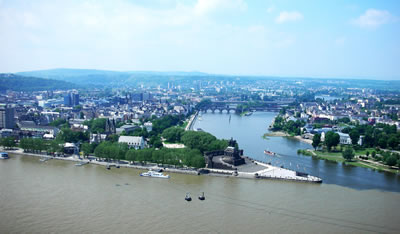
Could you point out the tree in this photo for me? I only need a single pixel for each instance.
(131, 155)
(393, 141)
(367, 153)
(173, 134)
(391, 160)
(373, 154)
(86, 148)
(355, 136)
(331, 139)
(8, 142)
(316, 140)
(348, 154)
(382, 142)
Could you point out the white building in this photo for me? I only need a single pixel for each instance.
(136, 142)
(344, 138)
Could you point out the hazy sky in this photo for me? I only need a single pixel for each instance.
(286, 38)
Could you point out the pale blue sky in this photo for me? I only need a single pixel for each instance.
(311, 38)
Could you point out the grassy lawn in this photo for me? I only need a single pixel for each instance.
(337, 157)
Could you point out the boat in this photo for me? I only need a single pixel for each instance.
(269, 152)
(44, 159)
(154, 174)
(81, 163)
(4, 155)
(248, 113)
(188, 197)
(202, 197)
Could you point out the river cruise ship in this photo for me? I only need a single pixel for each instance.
(154, 174)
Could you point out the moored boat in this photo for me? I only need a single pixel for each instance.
(154, 174)
(202, 197)
(4, 155)
(188, 197)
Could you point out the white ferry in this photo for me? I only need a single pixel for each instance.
(154, 174)
(3, 155)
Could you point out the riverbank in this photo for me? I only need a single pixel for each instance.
(358, 162)
(265, 172)
(284, 134)
(191, 122)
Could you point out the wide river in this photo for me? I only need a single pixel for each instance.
(58, 197)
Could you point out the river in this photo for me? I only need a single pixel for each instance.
(58, 197)
(248, 131)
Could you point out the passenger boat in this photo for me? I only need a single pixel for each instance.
(154, 174)
(269, 152)
(188, 197)
(4, 155)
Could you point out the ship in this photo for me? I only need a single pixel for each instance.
(154, 174)
(269, 152)
(4, 155)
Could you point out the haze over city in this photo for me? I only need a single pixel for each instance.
(334, 39)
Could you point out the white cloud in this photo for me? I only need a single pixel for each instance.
(373, 18)
(287, 16)
(203, 7)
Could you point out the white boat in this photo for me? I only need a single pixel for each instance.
(44, 159)
(154, 174)
(81, 163)
(4, 155)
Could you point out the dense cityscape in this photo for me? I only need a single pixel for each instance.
(363, 119)
(199, 116)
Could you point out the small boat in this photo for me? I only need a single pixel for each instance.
(154, 174)
(4, 155)
(248, 113)
(188, 198)
(81, 163)
(269, 152)
(44, 159)
(202, 197)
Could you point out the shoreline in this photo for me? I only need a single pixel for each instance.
(284, 134)
(263, 174)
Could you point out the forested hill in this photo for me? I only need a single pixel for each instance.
(102, 78)
(24, 83)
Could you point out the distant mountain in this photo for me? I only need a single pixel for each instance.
(25, 83)
(96, 78)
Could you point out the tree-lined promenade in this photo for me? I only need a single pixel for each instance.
(169, 128)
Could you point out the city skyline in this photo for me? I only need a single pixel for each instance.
(344, 39)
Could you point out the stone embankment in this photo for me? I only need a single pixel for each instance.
(192, 120)
(268, 171)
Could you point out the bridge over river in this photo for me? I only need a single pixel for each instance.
(235, 106)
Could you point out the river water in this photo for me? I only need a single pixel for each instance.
(58, 197)
(248, 131)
